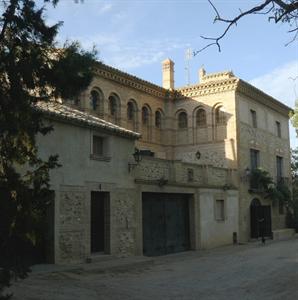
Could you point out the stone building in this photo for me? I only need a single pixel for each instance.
(154, 170)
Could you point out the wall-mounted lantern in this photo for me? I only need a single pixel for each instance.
(137, 157)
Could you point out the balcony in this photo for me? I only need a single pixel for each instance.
(161, 172)
(283, 181)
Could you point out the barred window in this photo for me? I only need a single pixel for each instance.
(112, 106)
(145, 115)
(94, 99)
(182, 120)
(130, 111)
(201, 117)
(220, 116)
(278, 129)
(279, 168)
(253, 118)
(254, 159)
(158, 119)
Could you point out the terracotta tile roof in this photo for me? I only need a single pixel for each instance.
(66, 113)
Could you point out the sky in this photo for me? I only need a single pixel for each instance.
(136, 35)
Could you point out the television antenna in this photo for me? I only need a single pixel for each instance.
(188, 57)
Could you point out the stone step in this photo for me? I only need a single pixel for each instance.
(283, 234)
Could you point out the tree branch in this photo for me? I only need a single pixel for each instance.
(281, 10)
(8, 15)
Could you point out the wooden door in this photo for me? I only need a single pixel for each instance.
(97, 222)
(165, 223)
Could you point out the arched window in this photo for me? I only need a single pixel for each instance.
(158, 119)
(95, 98)
(113, 106)
(201, 117)
(130, 111)
(145, 115)
(255, 202)
(182, 120)
(220, 117)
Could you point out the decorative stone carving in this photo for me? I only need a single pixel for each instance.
(153, 170)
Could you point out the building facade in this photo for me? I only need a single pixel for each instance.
(187, 184)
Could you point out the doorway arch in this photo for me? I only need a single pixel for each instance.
(260, 219)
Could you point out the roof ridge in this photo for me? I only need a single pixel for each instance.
(66, 112)
(133, 77)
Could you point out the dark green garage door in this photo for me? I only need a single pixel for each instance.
(165, 223)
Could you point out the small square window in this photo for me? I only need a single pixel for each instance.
(253, 118)
(220, 210)
(278, 129)
(97, 145)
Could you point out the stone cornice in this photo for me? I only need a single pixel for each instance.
(131, 81)
(212, 87)
(216, 76)
(261, 97)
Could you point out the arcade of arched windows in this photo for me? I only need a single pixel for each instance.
(114, 109)
(219, 122)
(96, 101)
(159, 121)
(201, 117)
(146, 121)
(201, 130)
(182, 120)
(129, 114)
(205, 124)
(132, 115)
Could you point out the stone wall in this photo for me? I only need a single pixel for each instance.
(264, 139)
(123, 222)
(218, 232)
(73, 224)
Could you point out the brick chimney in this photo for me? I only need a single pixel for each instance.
(168, 74)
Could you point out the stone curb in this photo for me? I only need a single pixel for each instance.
(104, 266)
(132, 263)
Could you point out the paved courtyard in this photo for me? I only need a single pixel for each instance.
(251, 272)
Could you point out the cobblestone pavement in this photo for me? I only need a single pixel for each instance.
(245, 272)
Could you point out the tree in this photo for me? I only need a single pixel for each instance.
(278, 11)
(294, 118)
(31, 70)
(294, 202)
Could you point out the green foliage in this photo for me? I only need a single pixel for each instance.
(262, 182)
(294, 117)
(294, 163)
(293, 213)
(31, 70)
